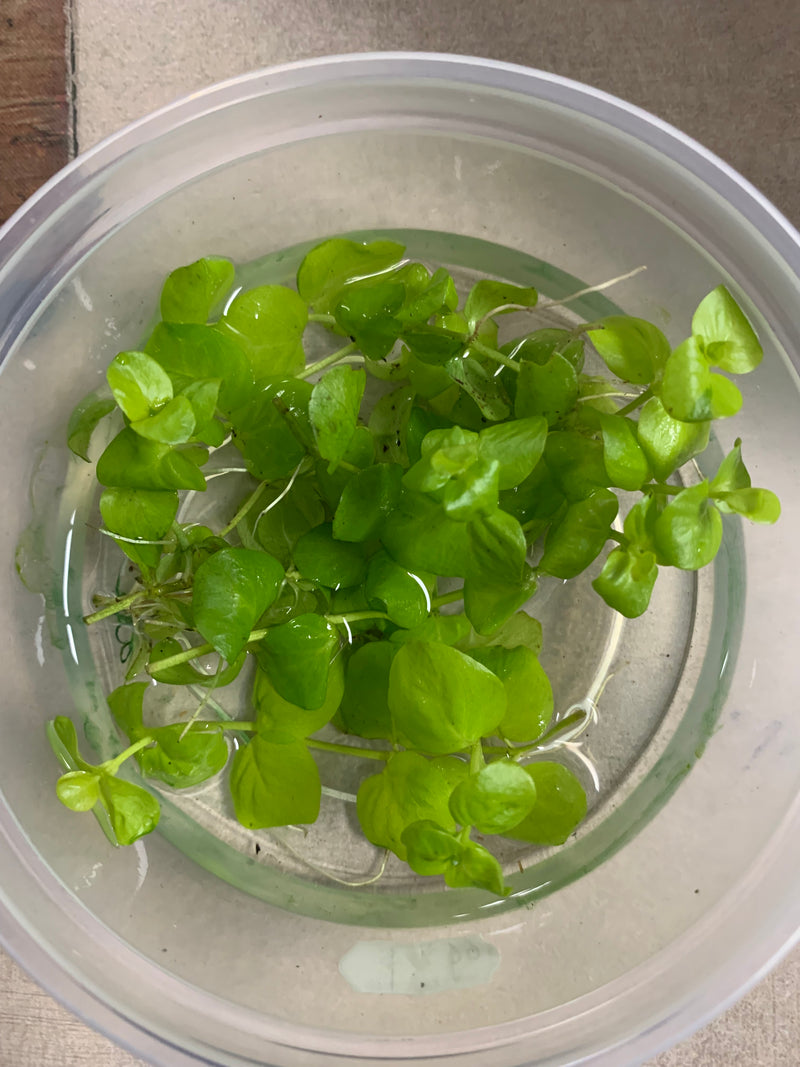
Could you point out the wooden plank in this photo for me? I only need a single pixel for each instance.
(34, 104)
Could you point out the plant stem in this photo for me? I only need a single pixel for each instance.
(637, 402)
(356, 616)
(662, 487)
(447, 598)
(189, 654)
(493, 354)
(476, 760)
(328, 361)
(621, 539)
(113, 765)
(326, 320)
(243, 510)
(349, 750)
(118, 605)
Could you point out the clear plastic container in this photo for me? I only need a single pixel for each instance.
(683, 887)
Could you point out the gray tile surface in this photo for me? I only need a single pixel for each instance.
(725, 71)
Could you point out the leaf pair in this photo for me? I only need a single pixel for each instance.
(131, 811)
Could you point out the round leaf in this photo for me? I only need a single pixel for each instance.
(442, 700)
(494, 800)
(132, 811)
(633, 349)
(319, 557)
(139, 384)
(548, 390)
(365, 704)
(626, 581)
(333, 410)
(190, 351)
(173, 424)
(688, 532)
(280, 719)
(297, 657)
(391, 588)
(331, 264)
(578, 538)
(625, 462)
(529, 695)
(191, 292)
(560, 805)
(366, 500)
(274, 784)
(516, 446)
(78, 790)
(268, 323)
(728, 338)
(430, 849)
(232, 589)
(667, 442)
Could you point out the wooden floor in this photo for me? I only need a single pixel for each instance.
(35, 120)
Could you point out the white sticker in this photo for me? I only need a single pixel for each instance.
(420, 969)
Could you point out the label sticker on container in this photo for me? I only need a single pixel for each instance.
(420, 969)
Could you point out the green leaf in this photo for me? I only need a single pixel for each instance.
(272, 441)
(274, 784)
(448, 629)
(333, 409)
(191, 352)
(482, 386)
(578, 538)
(280, 719)
(190, 293)
(142, 513)
(487, 296)
(688, 532)
(667, 442)
(321, 558)
(536, 500)
(366, 500)
(186, 673)
(297, 657)
(520, 629)
(78, 790)
(132, 811)
(476, 866)
(732, 473)
(410, 788)
(495, 799)
(419, 535)
(64, 742)
(436, 296)
(497, 548)
(757, 505)
(366, 313)
(268, 323)
(690, 392)
(540, 345)
(639, 525)
(529, 695)
(203, 395)
(624, 459)
(473, 493)
(560, 805)
(183, 759)
(728, 338)
(516, 446)
(232, 589)
(434, 346)
(442, 700)
(576, 464)
(331, 264)
(489, 601)
(549, 390)
(429, 848)
(277, 524)
(173, 424)
(139, 384)
(132, 462)
(388, 422)
(83, 420)
(633, 349)
(365, 705)
(392, 589)
(626, 580)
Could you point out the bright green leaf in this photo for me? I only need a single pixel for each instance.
(333, 263)
(297, 657)
(281, 719)
(688, 532)
(190, 293)
(365, 704)
(441, 700)
(392, 589)
(633, 349)
(624, 459)
(626, 581)
(529, 695)
(190, 352)
(268, 323)
(140, 385)
(333, 409)
(83, 420)
(319, 557)
(517, 446)
(367, 498)
(274, 784)
(132, 462)
(560, 805)
(728, 338)
(578, 538)
(495, 799)
(232, 589)
(667, 442)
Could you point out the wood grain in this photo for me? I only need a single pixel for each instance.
(34, 100)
